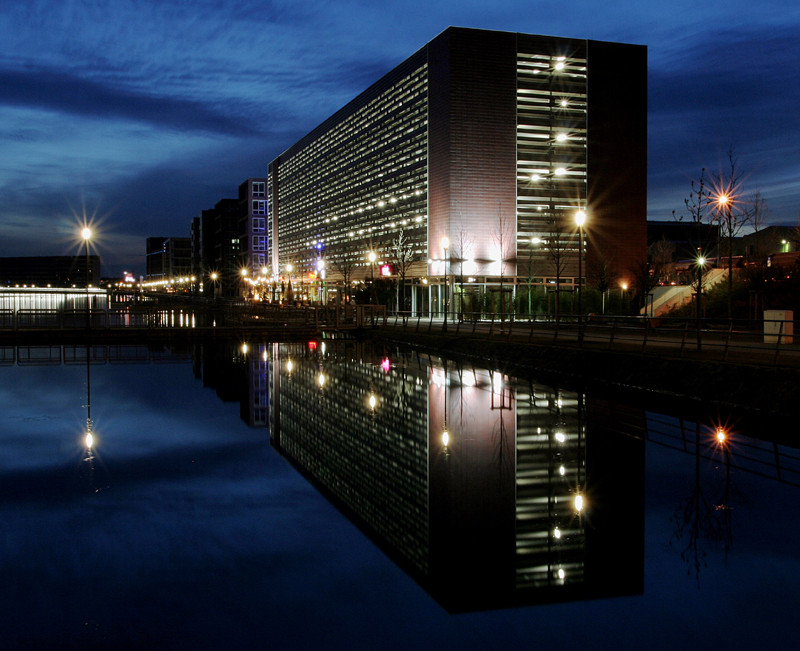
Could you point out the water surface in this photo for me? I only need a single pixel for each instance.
(191, 523)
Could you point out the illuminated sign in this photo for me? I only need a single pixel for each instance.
(386, 270)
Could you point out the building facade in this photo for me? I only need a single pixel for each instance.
(230, 244)
(168, 258)
(469, 161)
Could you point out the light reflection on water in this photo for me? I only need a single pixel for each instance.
(192, 531)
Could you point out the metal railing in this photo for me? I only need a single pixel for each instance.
(190, 316)
(712, 338)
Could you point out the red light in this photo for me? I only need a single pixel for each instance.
(312, 345)
(386, 364)
(386, 270)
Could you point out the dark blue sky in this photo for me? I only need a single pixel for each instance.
(143, 113)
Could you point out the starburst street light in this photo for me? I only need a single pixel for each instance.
(725, 202)
(580, 220)
(86, 233)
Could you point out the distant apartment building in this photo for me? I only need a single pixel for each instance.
(168, 258)
(230, 242)
(475, 154)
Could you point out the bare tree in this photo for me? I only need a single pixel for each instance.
(604, 276)
(459, 248)
(345, 264)
(502, 236)
(731, 213)
(558, 252)
(402, 256)
(644, 279)
(756, 253)
(701, 236)
(661, 254)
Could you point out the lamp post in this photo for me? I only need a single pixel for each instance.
(445, 247)
(580, 220)
(244, 272)
(87, 234)
(214, 276)
(371, 258)
(725, 205)
(701, 261)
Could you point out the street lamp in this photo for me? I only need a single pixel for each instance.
(87, 234)
(725, 205)
(214, 276)
(701, 261)
(371, 257)
(244, 272)
(580, 220)
(445, 247)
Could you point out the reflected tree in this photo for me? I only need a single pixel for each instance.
(697, 520)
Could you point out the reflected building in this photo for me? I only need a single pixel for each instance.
(237, 372)
(488, 490)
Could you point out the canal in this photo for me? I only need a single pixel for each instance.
(338, 494)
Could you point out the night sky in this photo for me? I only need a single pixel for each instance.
(142, 113)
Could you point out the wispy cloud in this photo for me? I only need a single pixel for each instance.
(63, 92)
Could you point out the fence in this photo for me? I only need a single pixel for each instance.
(212, 315)
(724, 340)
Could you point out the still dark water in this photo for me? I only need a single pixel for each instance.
(192, 523)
